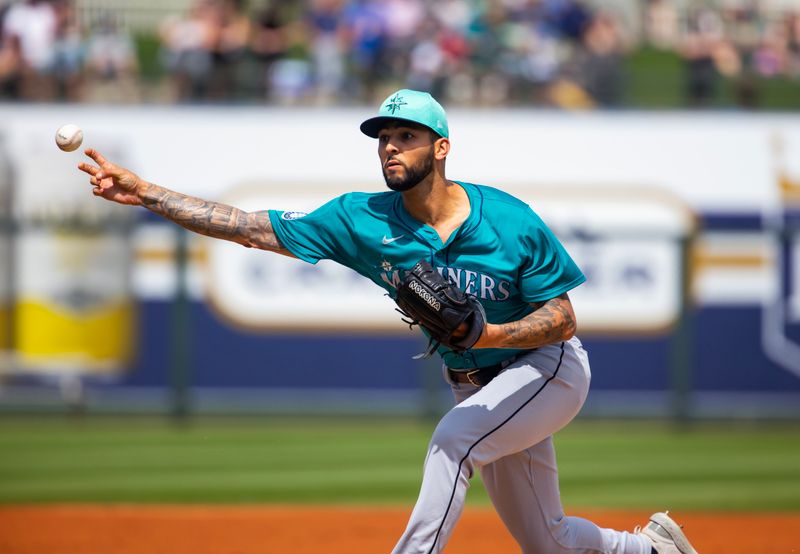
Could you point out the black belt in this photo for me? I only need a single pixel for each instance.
(479, 376)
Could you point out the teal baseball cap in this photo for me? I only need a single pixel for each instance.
(408, 105)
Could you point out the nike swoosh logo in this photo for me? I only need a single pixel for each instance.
(391, 240)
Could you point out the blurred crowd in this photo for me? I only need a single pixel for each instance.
(742, 42)
(567, 53)
(45, 55)
(335, 51)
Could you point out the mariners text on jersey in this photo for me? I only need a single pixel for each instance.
(484, 287)
(502, 253)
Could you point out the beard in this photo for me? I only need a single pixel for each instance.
(413, 175)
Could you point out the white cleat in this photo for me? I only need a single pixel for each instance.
(666, 535)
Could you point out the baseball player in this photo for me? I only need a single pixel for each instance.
(526, 375)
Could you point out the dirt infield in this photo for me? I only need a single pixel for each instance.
(138, 529)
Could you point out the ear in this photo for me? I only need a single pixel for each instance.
(441, 148)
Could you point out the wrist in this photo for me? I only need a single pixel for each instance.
(144, 192)
(488, 338)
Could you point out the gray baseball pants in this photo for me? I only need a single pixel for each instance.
(505, 429)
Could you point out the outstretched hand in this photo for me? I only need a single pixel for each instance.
(111, 181)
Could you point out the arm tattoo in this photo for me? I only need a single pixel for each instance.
(551, 321)
(214, 219)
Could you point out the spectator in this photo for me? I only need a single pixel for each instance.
(792, 23)
(365, 33)
(267, 45)
(567, 18)
(661, 24)
(11, 68)
(111, 63)
(703, 34)
(187, 45)
(453, 15)
(31, 28)
(402, 20)
(532, 60)
(231, 32)
(10, 61)
(602, 74)
(67, 52)
(744, 30)
(487, 54)
(426, 69)
(458, 83)
(328, 45)
(290, 79)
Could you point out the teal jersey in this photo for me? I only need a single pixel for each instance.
(503, 253)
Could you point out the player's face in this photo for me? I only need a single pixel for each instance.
(406, 155)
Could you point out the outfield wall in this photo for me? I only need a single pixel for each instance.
(632, 194)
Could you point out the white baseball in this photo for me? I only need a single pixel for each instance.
(69, 137)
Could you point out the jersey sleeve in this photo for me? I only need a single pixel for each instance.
(319, 235)
(548, 270)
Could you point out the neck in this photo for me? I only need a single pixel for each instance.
(436, 201)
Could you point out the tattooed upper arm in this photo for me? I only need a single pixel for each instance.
(262, 235)
(561, 307)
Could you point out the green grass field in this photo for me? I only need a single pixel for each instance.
(316, 460)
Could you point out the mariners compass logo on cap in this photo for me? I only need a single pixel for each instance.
(408, 105)
(395, 102)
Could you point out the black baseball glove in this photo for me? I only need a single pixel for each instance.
(440, 307)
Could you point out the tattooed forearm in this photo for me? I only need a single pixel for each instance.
(552, 321)
(212, 218)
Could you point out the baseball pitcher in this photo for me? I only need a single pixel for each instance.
(487, 282)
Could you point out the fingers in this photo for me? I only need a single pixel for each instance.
(88, 168)
(96, 156)
(95, 175)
